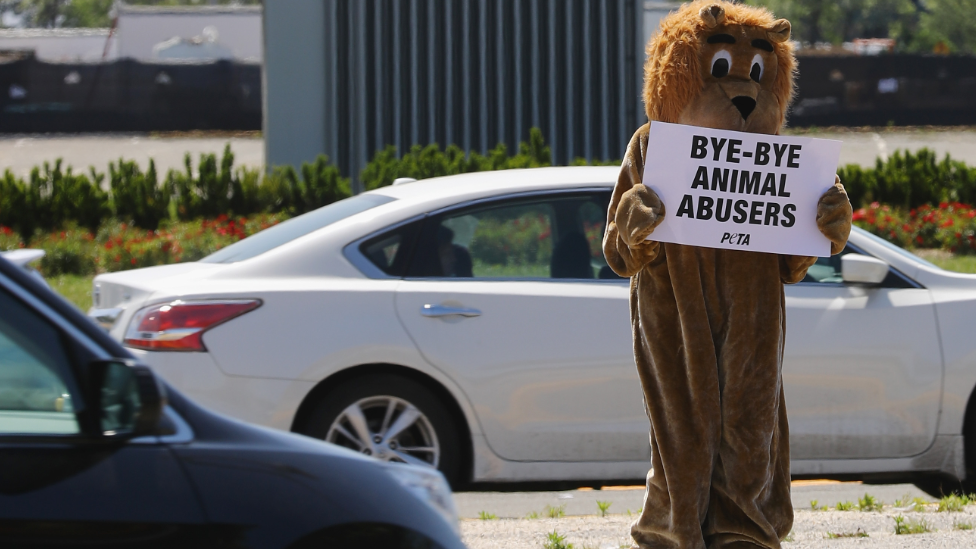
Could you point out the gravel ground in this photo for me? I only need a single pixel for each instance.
(810, 530)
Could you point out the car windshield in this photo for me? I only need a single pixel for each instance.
(900, 251)
(302, 225)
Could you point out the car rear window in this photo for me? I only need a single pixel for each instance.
(302, 225)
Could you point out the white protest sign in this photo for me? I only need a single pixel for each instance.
(740, 191)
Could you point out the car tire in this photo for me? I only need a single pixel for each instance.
(939, 486)
(382, 400)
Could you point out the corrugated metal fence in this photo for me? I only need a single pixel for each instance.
(479, 72)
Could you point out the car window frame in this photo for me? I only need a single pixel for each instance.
(913, 284)
(352, 252)
(67, 333)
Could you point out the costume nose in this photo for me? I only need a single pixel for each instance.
(745, 104)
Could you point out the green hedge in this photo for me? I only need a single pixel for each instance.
(909, 180)
(54, 198)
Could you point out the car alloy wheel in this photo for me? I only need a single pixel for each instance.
(390, 417)
(387, 428)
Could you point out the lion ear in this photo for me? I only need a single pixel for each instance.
(779, 31)
(713, 15)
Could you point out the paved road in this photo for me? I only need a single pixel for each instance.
(624, 498)
(21, 153)
(864, 147)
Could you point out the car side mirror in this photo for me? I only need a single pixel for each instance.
(127, 398)
(862, 269)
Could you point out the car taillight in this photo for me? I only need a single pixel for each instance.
(179, 326)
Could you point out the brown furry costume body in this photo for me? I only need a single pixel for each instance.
(709, 324)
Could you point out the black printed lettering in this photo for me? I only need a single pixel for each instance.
(720, 178)
(720, 215)
(762, 154)
(699, 146)
(740, 211)
(769, 186)
(772, 214)
(755, 212)
(747, 184)
(788, 214)
(701, 178)
(686, 207)
(782, 186)
(717, 144)
(705, 207)
(794, 157)
(778, 151)
(733, 151)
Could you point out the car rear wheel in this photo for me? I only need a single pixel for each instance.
(391, 418)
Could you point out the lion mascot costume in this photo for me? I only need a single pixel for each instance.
(709, 324)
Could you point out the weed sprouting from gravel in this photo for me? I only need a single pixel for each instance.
(953, 503)
(485, 515)
(555, 540)
(603, 506)
(844, 506)
(837, 535)
(533, 515)
(815, 506)
(909, 502)
(962, 525)
(869, 503)
(905, 526)
(555, 512)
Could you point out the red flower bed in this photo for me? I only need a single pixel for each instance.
(950, 226)
(119, 246)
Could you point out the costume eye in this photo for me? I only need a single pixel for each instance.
(721, 63)
(757, 68)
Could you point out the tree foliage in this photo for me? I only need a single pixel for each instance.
(916, 25)
(86, 13)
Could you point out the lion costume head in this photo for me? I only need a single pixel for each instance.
(720, 65)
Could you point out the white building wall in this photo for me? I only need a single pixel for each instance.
(239, 29)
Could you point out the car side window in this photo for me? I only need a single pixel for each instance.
(34, 367)
(828, 270)
(390, 252)
(556, 237)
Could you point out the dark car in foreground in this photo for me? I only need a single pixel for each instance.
(96, 451)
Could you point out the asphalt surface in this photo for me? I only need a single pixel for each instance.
(20, 153)
(631, 498)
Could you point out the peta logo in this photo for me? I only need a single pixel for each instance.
(739, 239)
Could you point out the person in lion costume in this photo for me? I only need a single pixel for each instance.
(709, 324)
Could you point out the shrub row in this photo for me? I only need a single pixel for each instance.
(909, 180)
(54, 198)
(430, 161)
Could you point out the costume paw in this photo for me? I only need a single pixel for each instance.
(639, 212)
(834, 216)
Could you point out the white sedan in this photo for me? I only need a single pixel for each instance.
(471, 323)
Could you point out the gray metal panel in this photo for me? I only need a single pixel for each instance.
(294, 110)
(471, 72)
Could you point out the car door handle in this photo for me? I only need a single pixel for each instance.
(432, 311)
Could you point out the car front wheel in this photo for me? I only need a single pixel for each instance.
(391, 418)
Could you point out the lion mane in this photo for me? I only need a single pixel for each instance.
(672, 72)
